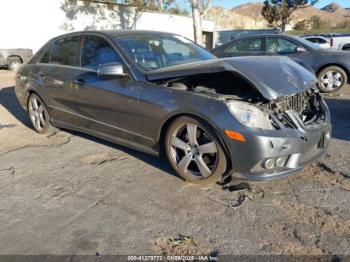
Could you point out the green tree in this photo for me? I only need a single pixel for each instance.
(278, 13)
(318, 24)
(127, 11)
(344, 25)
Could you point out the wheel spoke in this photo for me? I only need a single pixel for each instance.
(329, 75)
(42, 120)
(35, 104)
(32, 117)
(31, 111)
(337, 83)
(330, 85)
(337, 76)
(178, 143)
(40, 109)
(37, 122)
(192, 133)
(202, 166)
(207, 148)
(185, 161)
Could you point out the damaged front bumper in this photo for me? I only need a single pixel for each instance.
(272, 154)
(271, 157)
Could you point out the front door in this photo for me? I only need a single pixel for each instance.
(107, 105)
(280, 46)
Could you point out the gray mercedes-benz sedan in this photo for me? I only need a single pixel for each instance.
(248, 118)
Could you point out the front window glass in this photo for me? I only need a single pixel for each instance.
(279, 45)
(312, 40)
(321, 41)
(158, 51)
(97, 51)
(45, 58)
(247, 45)
(66, 51)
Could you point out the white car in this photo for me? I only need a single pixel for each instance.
(320, 41)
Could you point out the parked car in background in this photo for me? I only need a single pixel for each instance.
(331, 67)
(254, 119)
(224, 36)
(339, 41)
(320, 41)
(13, 58)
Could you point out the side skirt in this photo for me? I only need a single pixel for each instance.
(116, 140)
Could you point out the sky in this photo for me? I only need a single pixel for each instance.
(233, 3)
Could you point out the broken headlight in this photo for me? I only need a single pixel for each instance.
(250, 115)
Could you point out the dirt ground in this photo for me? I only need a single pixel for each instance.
(69, 193)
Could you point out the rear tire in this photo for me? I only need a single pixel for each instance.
(38, 115)
(194, 151)
(332, 79)
(14, 63)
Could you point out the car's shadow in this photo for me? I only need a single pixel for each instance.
(9, 101)
(340, 117)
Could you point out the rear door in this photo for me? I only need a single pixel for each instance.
(59, 76)
(245, 47)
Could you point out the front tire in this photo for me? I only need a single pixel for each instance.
(39, 115)
(332, 79)
(194, 152)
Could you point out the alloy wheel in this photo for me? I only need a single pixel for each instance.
(37, 114)
(331, 80)
(193, 151)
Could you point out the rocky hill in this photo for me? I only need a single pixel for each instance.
(248, 16)
(337, 9)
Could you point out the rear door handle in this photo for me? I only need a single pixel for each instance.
(41, 74)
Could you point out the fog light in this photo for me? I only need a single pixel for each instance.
(269, 163)
(281, 161)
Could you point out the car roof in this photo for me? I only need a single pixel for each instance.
(114, 33)
(267, 35)
(315, 36)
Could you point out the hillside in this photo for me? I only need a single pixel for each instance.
(336, 9)
(248, 16)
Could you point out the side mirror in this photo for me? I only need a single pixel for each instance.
(111, 69)
(299, 49)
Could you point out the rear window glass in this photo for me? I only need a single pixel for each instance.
(66, 51)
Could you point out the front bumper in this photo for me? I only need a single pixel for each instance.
(295, 148)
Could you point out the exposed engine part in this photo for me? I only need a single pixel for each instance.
(306, 106)
(178, 86)
(284, 112)
(222, 85)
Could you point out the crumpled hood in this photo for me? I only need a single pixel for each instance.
(273, 76)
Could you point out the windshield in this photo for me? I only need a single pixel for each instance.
(158, 51)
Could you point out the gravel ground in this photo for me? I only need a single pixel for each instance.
(69, 193)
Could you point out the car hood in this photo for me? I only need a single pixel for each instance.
(273, 76)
